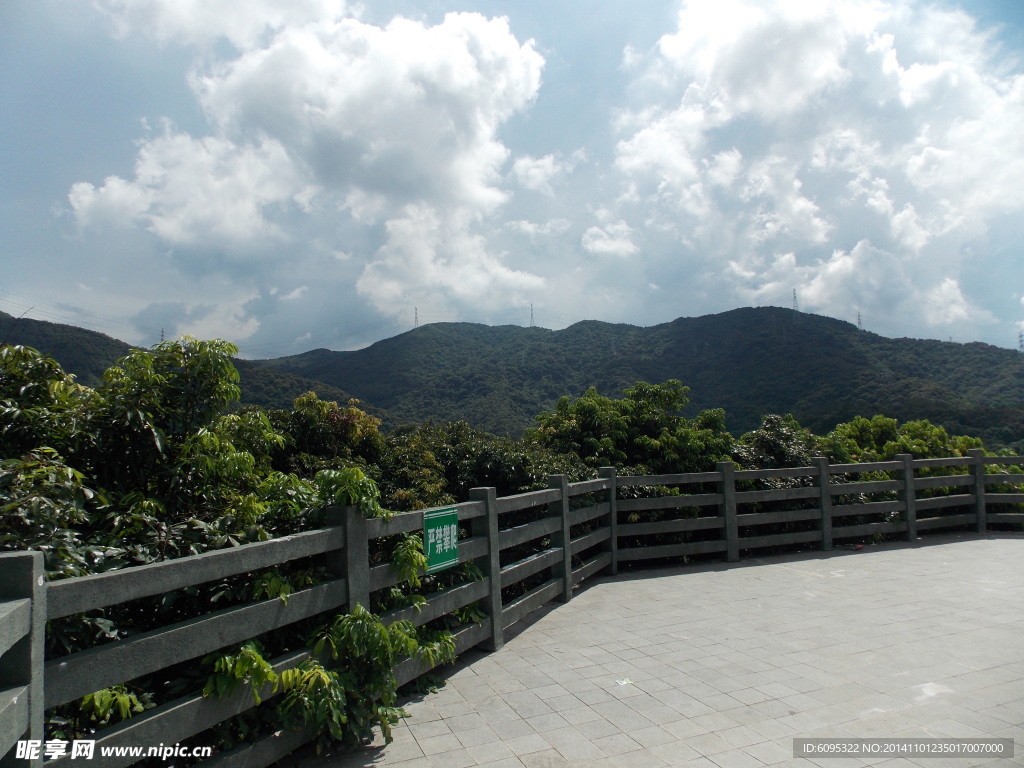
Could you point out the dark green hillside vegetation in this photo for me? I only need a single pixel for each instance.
(748, 362)
(270, 388)
(643, 432)
(158, 461)
(86, 354)
(150, 465)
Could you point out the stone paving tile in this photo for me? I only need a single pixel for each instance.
(457, 758)
(512, 729)
(430, 728)
(490, 752)
(522, 745)
(432, 745)
(729, 663)
(616, 744)
(548, 758)
(477, 736)
(771, 752)
(509, 762)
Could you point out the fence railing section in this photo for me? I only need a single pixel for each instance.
(572, 531)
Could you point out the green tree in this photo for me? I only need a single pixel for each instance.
(644, 430)
(881, 438)
(779, 442)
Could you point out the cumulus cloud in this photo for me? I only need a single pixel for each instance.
(203, 21)
(202, 320)
(532, 228)
(613, 238)
(189, 191)
(836, 147)
(541, 173)
(858, 152)
(406, 111)
(428, 257)
(395, 126)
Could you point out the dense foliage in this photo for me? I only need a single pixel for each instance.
(157, 461)
(149, 466)
(643, 431)
(748, 362)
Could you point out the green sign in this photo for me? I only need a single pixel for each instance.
(441, 538)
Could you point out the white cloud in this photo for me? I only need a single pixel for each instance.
(858, 151)
(945, 304)
(614, 238)
(297, 293)
(772, 183)
(770, 58)
(724, 168)
(540, 173)
(427, 258)
(395, 125)
(550, 227)
(203, 21)
(768, 134)
(865, 279)
(407, 111)
(195, 191)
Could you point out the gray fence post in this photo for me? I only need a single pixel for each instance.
(490, 564)
(727, 487)
(355, 560)
(979, 487)
(561, 537)
(611, 473)
(909, 494)
(22, 577)
(824, 483)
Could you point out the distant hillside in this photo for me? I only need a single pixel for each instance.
(747, 361)
(87, 354)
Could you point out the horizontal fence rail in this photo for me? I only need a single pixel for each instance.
(528, 549)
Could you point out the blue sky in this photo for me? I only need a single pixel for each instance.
(291, 174)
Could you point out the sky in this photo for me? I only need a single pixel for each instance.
(295, 174)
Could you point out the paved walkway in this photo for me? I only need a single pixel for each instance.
(722, 666)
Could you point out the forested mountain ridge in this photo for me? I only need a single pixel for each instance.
(748, 361)
(87, 354)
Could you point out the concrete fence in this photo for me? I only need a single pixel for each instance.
(578, 530)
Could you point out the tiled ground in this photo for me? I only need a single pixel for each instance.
(722, 666)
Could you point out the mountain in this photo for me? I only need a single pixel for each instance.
(87, 354)
(748, 361)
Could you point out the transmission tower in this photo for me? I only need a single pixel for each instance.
(1020, 340)
(531, 314)
(415, 317)
(860, 325)
(796, 307)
